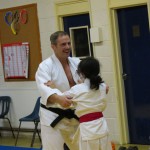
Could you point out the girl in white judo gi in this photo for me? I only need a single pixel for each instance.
(89, 99)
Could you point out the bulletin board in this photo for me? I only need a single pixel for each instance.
(20, 42)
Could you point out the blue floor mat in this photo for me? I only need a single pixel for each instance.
(17, 148)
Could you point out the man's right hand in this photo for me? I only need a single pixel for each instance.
(64, 101)
(61, 100)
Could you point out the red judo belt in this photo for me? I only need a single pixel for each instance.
(90, 117)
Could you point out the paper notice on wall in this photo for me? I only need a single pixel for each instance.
(15, 60)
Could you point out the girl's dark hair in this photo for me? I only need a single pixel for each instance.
(90, 68)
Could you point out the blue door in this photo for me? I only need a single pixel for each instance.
(135, 50)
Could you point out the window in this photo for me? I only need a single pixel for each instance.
(80, 41)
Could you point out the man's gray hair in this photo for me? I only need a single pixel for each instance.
(55, 35)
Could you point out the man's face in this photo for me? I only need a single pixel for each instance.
(63, 47)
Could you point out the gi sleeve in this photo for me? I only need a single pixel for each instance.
(43, 75)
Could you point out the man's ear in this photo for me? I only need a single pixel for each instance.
(53, 46)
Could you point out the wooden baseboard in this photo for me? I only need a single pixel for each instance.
(16, 129)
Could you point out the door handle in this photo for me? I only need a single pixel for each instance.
(124, 76)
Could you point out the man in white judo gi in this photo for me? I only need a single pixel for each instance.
(57, 125)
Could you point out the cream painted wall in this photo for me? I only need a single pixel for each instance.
(24, 94)
(103, 51)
